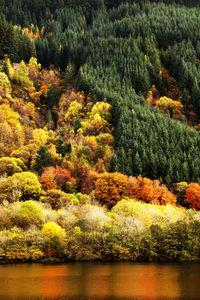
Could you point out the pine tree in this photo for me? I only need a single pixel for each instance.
(69, 76)
(77, 124)
(137, 165)
(195, 97)
(184, 99)
(60, 148)
(114, 164)
(42, 159)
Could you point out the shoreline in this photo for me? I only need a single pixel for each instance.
(66, 261)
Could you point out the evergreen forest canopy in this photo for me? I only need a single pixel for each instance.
(99, 105)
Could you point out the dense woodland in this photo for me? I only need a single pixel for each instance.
(99, 130)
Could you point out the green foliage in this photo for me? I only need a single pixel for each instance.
(29, 213)
(52, 96)
(69, 76)
(77, 124)
(13, 43)
(61, 148)
(131, 231)
(115, 59)
(42, 159)
(19, 186)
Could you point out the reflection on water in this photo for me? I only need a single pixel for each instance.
(100, 281)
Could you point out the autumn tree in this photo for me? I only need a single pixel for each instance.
(169, 106)
(192, 196)
(28, 213)
(22, 75)
(10, 166)
(34, 69)
(20, 186)
(56, 236)
(112, 187)
(4, 81)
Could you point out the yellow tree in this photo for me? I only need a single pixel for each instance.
(4, 81)
(22, 75)
(11, 132)
(11, 71)
(169, 106)
(56, 236)
(34, 69)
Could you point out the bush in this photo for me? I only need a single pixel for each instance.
(52, 230)
(57, 198)
(10, 166)
(28, 213)
(26, 183)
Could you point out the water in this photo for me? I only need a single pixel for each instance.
(99, 281)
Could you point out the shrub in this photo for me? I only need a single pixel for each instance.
(11, 165)
(52, 230)
(27, 184)
(29, 213)
(58, 198)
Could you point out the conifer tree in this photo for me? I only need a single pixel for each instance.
(42, 159)
(60, 147)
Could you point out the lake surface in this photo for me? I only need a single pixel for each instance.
(100, 281)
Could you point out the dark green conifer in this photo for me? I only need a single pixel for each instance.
(42, 159)
(60, 147)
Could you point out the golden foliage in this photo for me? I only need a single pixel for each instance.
(4, 81)
(167, 105)
(51, 230)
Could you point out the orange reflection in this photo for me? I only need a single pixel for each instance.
(152, 281)
(53, 281)
(100, 281)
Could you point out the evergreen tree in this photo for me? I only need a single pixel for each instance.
(69, 76)
(137, 164)
(42, 159)
(60, 147)
(77, 124)
(195, 97)
(114, 165)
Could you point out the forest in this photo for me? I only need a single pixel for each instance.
(99, 130)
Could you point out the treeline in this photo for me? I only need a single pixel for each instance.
(131, 231)
(24, 12)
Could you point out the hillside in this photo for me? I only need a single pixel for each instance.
(99, 130)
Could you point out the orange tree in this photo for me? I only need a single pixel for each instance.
(152, 191)
(192, 196)
(112, 187)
